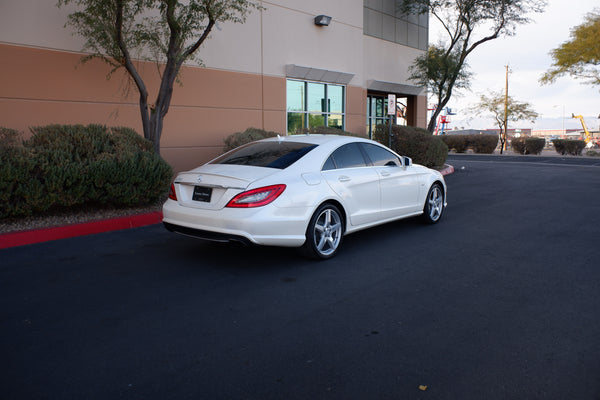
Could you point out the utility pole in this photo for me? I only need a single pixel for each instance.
(505, 146)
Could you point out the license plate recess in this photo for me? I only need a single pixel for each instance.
(202, 193)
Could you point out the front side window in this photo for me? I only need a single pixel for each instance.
(273, 154)
(313, 104)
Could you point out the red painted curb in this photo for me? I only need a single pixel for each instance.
(448, 169)
(87, 228)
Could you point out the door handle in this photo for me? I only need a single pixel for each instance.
(344, 178)
(385, 173)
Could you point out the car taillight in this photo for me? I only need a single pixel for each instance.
(256, 197)
(172, 194)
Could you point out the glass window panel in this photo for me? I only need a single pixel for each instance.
(295, 96)
(389, 7)
(374, 23)
(335, 121)
(316, 97)
(336, 98)
(316, 120)
(379, 107)
(295, 122)
(413, 35)
(381, 157)
(423, 38)
(329, 164)
(401, 31)
(349, 156)
(389, 28)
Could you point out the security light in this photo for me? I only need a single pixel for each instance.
(322, 20)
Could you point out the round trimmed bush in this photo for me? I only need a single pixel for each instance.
(70, 165)
(528, 145)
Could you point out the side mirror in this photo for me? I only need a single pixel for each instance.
(407, 161)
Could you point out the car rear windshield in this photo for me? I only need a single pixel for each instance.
(276, 154)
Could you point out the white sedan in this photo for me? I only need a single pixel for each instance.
(305, 191)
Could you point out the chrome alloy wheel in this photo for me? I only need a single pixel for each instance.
(327, 232)
(435, 203)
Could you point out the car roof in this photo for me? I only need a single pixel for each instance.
(317, 139)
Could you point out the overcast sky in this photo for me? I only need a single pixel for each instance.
(527, 55)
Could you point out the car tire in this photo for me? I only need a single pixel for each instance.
(324, 233)
(434, 204)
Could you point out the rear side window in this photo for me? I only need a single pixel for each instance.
(347, 156)
(273, 154)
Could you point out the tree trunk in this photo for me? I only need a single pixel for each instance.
(156, 124)
(436, 113)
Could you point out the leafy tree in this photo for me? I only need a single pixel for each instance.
(580, 56)
(431, 70)
(468, 24)
(167, 31)
(496, 103)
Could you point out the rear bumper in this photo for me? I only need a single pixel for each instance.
(270, 226)
(206, 235)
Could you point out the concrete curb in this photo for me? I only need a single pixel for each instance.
(87, 228)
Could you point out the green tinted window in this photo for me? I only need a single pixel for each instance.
(316, 97)
(295, 96)
(335, 94)
(313, 104)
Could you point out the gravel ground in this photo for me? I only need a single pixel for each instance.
(72, 216)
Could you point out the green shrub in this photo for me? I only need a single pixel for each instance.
(10, 137)
(592, 153)
(21, 192)
(69, 165)
(415, 143)
(249, 135)
(528, 145)
(568, 146)
(484, 144)
(458, 143)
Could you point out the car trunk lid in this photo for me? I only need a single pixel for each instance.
(213, 186)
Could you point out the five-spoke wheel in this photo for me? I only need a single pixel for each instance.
(434, 204)
(324, 233)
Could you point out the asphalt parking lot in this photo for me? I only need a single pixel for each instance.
(498, 301)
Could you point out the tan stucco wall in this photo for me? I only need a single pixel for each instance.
(40, 87)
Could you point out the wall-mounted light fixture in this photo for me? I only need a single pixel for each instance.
(322, 20)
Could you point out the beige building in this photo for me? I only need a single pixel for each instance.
(279, 71)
